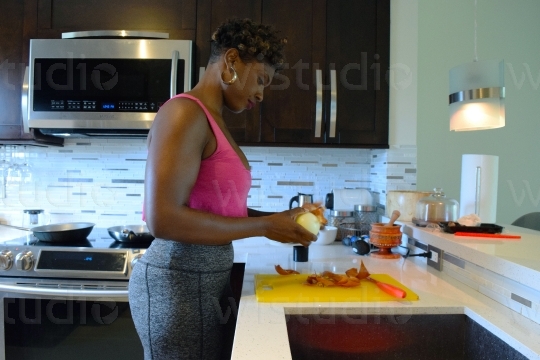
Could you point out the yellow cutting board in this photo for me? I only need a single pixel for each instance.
(293, 288)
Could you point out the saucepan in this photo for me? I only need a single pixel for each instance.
(130, 233)
(62, 232)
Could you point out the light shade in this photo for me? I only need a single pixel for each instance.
(477, 96)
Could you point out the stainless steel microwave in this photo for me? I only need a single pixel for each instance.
(102, 87)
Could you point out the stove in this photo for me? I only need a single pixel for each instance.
(54, 295)
(97, 257)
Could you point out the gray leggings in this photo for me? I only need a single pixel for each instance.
(181, 301)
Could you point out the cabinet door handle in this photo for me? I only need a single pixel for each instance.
(318, 104)
(24, 101)
(333, 103)
(174, 71)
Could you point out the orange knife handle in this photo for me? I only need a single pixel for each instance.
(392, 290)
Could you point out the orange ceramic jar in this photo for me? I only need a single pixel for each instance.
(385, 238)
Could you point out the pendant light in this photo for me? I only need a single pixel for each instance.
(477, 93)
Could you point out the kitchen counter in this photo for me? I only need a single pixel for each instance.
(261, 327)
(261, 330)
(516, 259)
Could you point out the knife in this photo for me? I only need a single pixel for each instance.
(502, 236)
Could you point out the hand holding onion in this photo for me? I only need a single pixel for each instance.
(312, 220)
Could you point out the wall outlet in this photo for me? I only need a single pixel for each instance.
(436, 257)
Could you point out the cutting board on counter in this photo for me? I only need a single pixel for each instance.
(292, 288)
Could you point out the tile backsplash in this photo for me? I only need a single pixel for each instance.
(102, 180)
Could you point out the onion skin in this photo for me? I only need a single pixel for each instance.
(309, 222)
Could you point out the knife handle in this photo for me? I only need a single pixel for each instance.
(390, 289)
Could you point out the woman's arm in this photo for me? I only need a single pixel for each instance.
(180, 138)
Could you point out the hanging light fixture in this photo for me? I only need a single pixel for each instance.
(477, 93)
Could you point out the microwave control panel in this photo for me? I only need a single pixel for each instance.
(113, 106)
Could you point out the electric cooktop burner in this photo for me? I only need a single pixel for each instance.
(99, 238)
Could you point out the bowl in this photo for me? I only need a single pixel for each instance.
(326, 236)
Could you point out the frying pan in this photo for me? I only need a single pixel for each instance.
(130, 233)
(62, 232)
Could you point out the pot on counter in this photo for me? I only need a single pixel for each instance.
(130, 233)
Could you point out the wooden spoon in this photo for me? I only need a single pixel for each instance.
(394, 217)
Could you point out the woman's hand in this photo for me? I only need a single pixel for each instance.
(283, 227)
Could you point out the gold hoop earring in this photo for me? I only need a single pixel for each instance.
(234, 76)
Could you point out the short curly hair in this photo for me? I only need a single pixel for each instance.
(253, 42)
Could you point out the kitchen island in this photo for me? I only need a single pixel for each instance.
(261, 330)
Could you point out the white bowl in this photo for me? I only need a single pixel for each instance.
(326, 236)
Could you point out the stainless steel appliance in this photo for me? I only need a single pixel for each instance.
(102, 87)
(301, 199)
(68, 300)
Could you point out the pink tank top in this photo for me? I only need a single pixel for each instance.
(223, 182)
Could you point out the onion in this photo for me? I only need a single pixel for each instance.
(309, 222)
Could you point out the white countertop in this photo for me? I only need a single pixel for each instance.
(261, 327)
(518, 260)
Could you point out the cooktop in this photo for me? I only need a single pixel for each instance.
(99, 238)
(99, 256)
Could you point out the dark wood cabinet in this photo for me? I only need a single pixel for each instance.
(333, 90)
(340, 50)
(175, 17)
(358, 56)
(345, 42)
(246, 126)
(290, 105)
(12, 30)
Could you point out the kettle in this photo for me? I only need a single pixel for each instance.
(301, 199)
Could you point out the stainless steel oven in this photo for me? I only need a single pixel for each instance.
(67, 301)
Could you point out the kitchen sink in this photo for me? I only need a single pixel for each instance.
(381, 337)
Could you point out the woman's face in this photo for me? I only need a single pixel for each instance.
(248, 89)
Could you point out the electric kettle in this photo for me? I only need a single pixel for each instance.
(301, 199)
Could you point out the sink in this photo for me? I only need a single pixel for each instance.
(381, 337)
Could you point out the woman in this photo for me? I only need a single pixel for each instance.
(196, 186)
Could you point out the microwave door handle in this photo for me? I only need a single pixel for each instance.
(174, 71)
(24, 101)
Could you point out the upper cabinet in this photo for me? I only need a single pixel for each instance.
(246, 126)
(333, 90)
(11, 68)
(176, 17)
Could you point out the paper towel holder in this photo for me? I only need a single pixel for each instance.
(479, 184)
(478, 190)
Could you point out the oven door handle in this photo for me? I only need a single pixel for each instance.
(45, 291)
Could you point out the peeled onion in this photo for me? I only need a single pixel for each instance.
(309, 222)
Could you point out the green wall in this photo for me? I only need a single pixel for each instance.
(508, 30)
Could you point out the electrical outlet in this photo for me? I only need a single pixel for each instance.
(436, 257)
